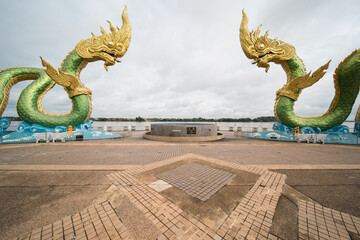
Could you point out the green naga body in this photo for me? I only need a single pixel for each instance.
(346, 79)
(107, 47)
(28, 107)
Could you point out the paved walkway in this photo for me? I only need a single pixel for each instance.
(251, 218)
(137, 151)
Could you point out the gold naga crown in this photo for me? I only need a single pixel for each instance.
(107, 47)
(263, 49)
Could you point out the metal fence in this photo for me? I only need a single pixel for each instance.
(251, 132)
(330, 138)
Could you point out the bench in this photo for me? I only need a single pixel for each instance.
(320, 137)
(60, 136)
(41, 136)
(312, 137)
(305, 137)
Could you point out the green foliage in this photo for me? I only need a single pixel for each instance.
(265, 119)
(198, 119)
(139, 119)
(13, 118)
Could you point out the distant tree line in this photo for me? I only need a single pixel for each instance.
(199, 119)
(13, 118)
(258, 119)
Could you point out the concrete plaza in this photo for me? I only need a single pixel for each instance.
(241, 189)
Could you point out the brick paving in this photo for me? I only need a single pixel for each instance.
(318, 222)
(95, 222)
(125, 154)
(251, 218)
(197, 180)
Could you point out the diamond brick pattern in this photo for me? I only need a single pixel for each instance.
(250, 219)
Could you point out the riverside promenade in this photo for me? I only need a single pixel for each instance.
(133, 188)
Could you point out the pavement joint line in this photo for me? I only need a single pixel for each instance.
(127, 167)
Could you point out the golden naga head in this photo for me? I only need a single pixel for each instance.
(107, 47)
(263, 49)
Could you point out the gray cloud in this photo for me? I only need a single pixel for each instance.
(185, 58)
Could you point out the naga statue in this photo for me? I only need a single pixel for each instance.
(346, 79)
(107, 47)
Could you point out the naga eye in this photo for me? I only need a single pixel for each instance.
(110, 43)
(262, 45)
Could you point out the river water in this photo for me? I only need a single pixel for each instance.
(223, 126)
(142, 126)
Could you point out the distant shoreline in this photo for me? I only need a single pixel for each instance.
(118, 126)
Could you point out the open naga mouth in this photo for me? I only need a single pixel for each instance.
(261, 48)
(259, 58)
(108, 47)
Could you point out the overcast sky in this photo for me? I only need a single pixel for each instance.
(185, 58)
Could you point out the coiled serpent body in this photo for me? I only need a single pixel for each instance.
(107, 47)
(346, 79)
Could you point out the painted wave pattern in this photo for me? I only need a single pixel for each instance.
(26, 133)
(339, 134)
